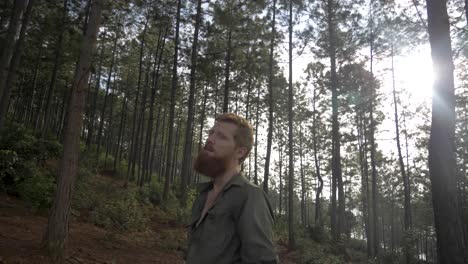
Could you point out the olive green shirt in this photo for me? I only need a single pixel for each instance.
(236, 229)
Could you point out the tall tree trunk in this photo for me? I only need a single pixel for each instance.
(362, 142)
(131, 156)
(227, 70)
(170, 147)
(156, 69)
(450, 241)
(104, 105)
(187, 155)
(89, 138)
(270, 101)
(140, 129)
(121, 131)
(57, 227)
(256, 137)
(303, 201)
(9, 42)
(291, 240)
(337, 224)
(29, 118)
(15, 60)
(406, 187)
(280, 153)
(318, 213)
(57, 58)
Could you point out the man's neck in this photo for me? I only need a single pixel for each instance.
(220, 181)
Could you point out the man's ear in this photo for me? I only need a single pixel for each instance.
(241, 151)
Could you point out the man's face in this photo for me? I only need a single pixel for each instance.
(220, 150)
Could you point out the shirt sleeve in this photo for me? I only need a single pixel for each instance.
(255, 229)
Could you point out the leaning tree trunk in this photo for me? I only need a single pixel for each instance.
(57, 227)
(442, 165)
(270, 101)
(170, 146)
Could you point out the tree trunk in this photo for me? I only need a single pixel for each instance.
(337, 224)
(121, 131)
(104, 105)
(131, 157)
(170, 147)
(291, 240)
(280, 153)
(256, 138)
(406, 187)
(149, 135)
(91, 124)
(442, 165)
(227, 70)
(29, 118)
(8, 84)
(9, 42)
(303, 201)
(318, 213)
(53, 80)
(57, 227)
(270, 101)
(187, 158)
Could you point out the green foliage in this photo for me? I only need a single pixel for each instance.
(124, 213)
(23, 169)
(313, 252)
(38, 190)
(108, 205)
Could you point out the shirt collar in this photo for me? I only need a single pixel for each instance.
(236, 180)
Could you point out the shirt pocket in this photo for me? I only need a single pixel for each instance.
(218, 229)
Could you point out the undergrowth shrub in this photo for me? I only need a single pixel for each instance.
(38, 190)
(122, 214)
(23, 168)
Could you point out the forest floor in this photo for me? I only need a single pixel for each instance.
(21, 232)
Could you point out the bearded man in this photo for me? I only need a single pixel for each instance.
(231, 218)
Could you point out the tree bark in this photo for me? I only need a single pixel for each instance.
(303, 200)
(149, 134)
(170, 147)
(450, 241)
(131, 156)
(270, 101)
(187, 158)
(318, 213)
(291, 240)
(91, 124)
(10, 41)
(406, 187)
(15, 60)
(57, 227)
(58, 54)
(256, 137)
(104, 105)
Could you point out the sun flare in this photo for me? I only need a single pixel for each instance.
(414, 74)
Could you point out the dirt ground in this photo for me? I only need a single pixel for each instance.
(21, 233)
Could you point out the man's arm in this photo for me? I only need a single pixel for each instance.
(254, 226)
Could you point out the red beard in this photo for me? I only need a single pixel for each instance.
(208, 165)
